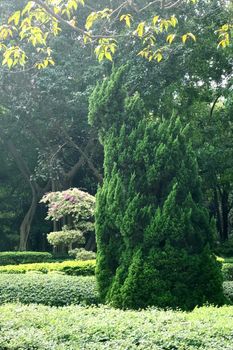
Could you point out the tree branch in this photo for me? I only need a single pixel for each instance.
(59, 18)
(213, 106)
(78, 30)
(20, 163)
(84, 156)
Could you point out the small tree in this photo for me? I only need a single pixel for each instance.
(77, 206)
(66, 238)
(153, 233)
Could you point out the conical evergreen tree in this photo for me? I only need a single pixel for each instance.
(153, 234)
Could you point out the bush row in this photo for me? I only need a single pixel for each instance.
(56, 289)
(53, 289)
(72, 268)
(100, 328)
(84, 268)
(15, 258)
(77, 268)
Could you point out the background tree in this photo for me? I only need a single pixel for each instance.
(99, 24)
(48, 111)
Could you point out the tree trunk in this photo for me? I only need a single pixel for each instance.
(225, 212)
(221, 198)
(218, 212)
(91, 243)
(25, 226)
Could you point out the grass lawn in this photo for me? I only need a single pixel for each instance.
(90, 328)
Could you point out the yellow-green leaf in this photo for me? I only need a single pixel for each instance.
(28, 7)
(140, 29)
(108, 56)
(155, 20)
(15, 18)
(127, 18)
(159, 56)
(170, 38)
(173, 21)
(184, 38)
(192, 36)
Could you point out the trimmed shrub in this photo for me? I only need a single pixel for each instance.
(41, 327)
(72, 268)
(53, 289)
(225, 249)
(82, 254)
(227, 270)
(15, 258)
(153, 231)
(228, 290)
(65, 237)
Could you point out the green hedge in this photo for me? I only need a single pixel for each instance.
(53, 289)
(225, 249)
(227, 270)
(15, 258)
(228, 291)
(102, 328)
(72, 268)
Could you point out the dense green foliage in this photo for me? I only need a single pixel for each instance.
(72, 268)
(153, 233)
(53, 289)
(101, 328)
(48, 111)
(225, 249)
(227, 270)
(16, 258)
(65, 238)
(228, 291)
(82, 254)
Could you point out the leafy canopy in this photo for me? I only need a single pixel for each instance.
(153, 23)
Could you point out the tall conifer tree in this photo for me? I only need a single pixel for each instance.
(153, 234)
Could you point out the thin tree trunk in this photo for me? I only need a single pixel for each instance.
(91, 243)
(225, 211)
(221, 197)
(25, 226)
(218, 212)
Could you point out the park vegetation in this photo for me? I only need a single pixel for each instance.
(116, 177)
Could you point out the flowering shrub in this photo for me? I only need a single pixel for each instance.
(79, 204)
(74, 203)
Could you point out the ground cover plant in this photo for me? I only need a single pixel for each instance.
(100, 328)
(73, 268)
(52, 289)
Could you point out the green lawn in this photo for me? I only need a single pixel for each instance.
(91, 328)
